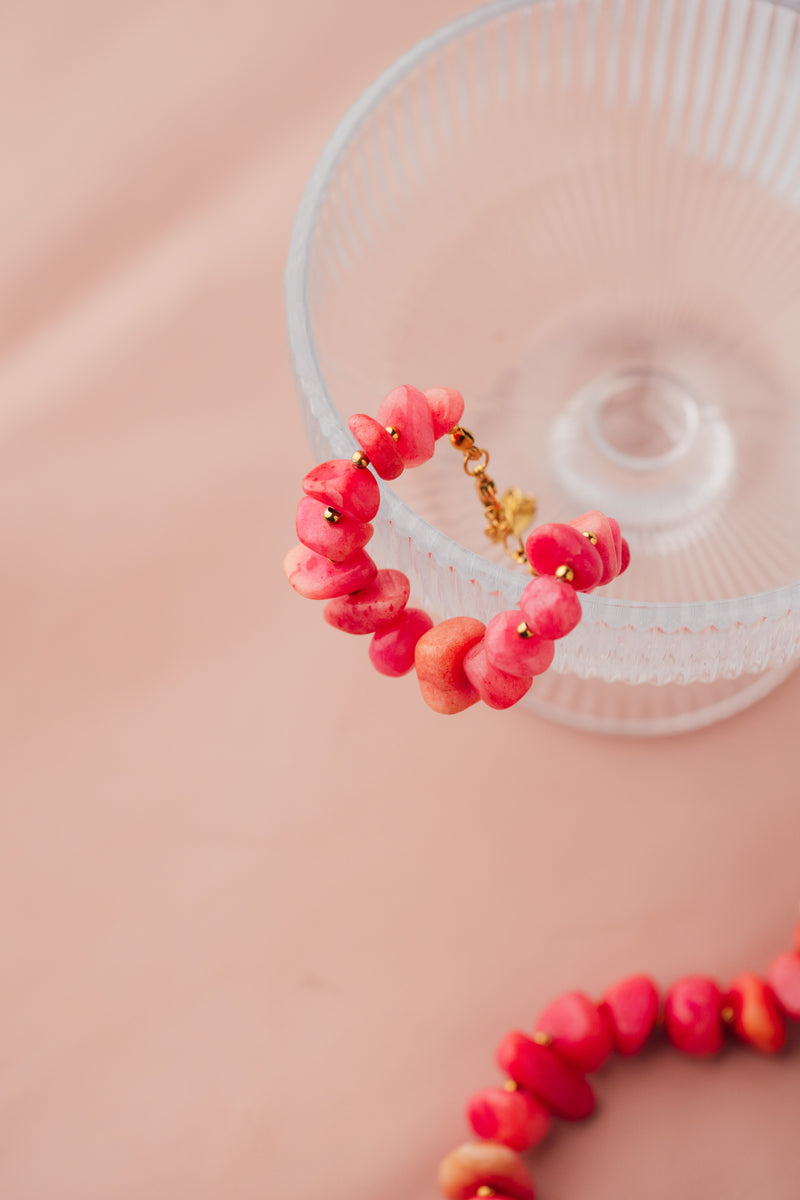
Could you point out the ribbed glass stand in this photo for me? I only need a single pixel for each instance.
(586, 216)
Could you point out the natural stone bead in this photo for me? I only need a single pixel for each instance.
(757, 1018)
(349, 489)
(550, 607)
(541, 1070)
(447, 409)
(406, 410)
(597, 523)
(692, 1016)
(580, 1031)
(624, 557)
(485, 1164)
(336, 542)
(496, 688)
(439, 660)
(552, 546)
(317, 578)
(370, 608)
(513, 1118)
(506, 650)
(784, 979)
(392, 650)
(632, 1010)
(378, 445)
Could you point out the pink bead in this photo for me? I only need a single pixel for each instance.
(495, 687)
(539, 1069)
(632, 1010)
(447, 409)
(624, 557)
(513, 1118)
(784, 979)
(516, 655)
(439, 659)
(349, 489)
(757, 1018)
(317, 578)
(550, 607)
(336, 542)
(407, 411)
(485, 1164)
(552, 546)
(580, 1032)
(597, 523)
(392, 650)
(377, 444)
(692, 1016)
(370, 608)
(617, 535)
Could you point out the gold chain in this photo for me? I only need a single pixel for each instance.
(508, 515)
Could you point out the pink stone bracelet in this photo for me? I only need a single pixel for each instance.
(458, 661)
(573, 1036)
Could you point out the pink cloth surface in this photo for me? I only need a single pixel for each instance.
(264, 916)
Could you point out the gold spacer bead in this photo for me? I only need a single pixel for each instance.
(393, 433)
(727, 1014)
(483, 1190)
(542, 1039)
(592, 537)
(511, 1085)
(359, 459)
(519, 556)
(565, 573)
(332, 515)
(524, 631)
(461, 438)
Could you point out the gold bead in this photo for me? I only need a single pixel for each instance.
(393, 433)
(524, 631)
(483, 1190)
(519, 556)
(591, 536)
(565, 573)
(727, 1014)
(359, 459)
(461, 438)
(332, 516)
(542, 1039)
(511, 1085)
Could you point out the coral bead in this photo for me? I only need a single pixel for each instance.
(336, 542)
(692, 1016)
(757, 1019)
(550, 607)
(597, 523)
(392, 650)
(516, 655)
(406, 410)
(541, 1070)
(512, 1117)
(485, 1164)
(632, 1010)
(377, 444)
(617, 535)
(496, 688)
(624, 557)
(439, 660)
(447, 409)
(317, 578)
(370, 608)
(349, 489)
(784, 979)
(552, 546)
(580, 1032)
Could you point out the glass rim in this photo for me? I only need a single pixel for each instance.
(611, 612)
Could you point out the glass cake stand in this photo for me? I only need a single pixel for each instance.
(586, 216)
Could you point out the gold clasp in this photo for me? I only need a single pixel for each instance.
(507, 516)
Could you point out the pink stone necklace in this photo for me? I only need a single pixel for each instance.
(460, 660)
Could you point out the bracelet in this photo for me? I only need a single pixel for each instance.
(460, 660)
(574, 1036)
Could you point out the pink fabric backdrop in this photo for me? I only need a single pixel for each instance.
(264, 915)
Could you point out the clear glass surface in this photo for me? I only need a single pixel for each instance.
(586, 216)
